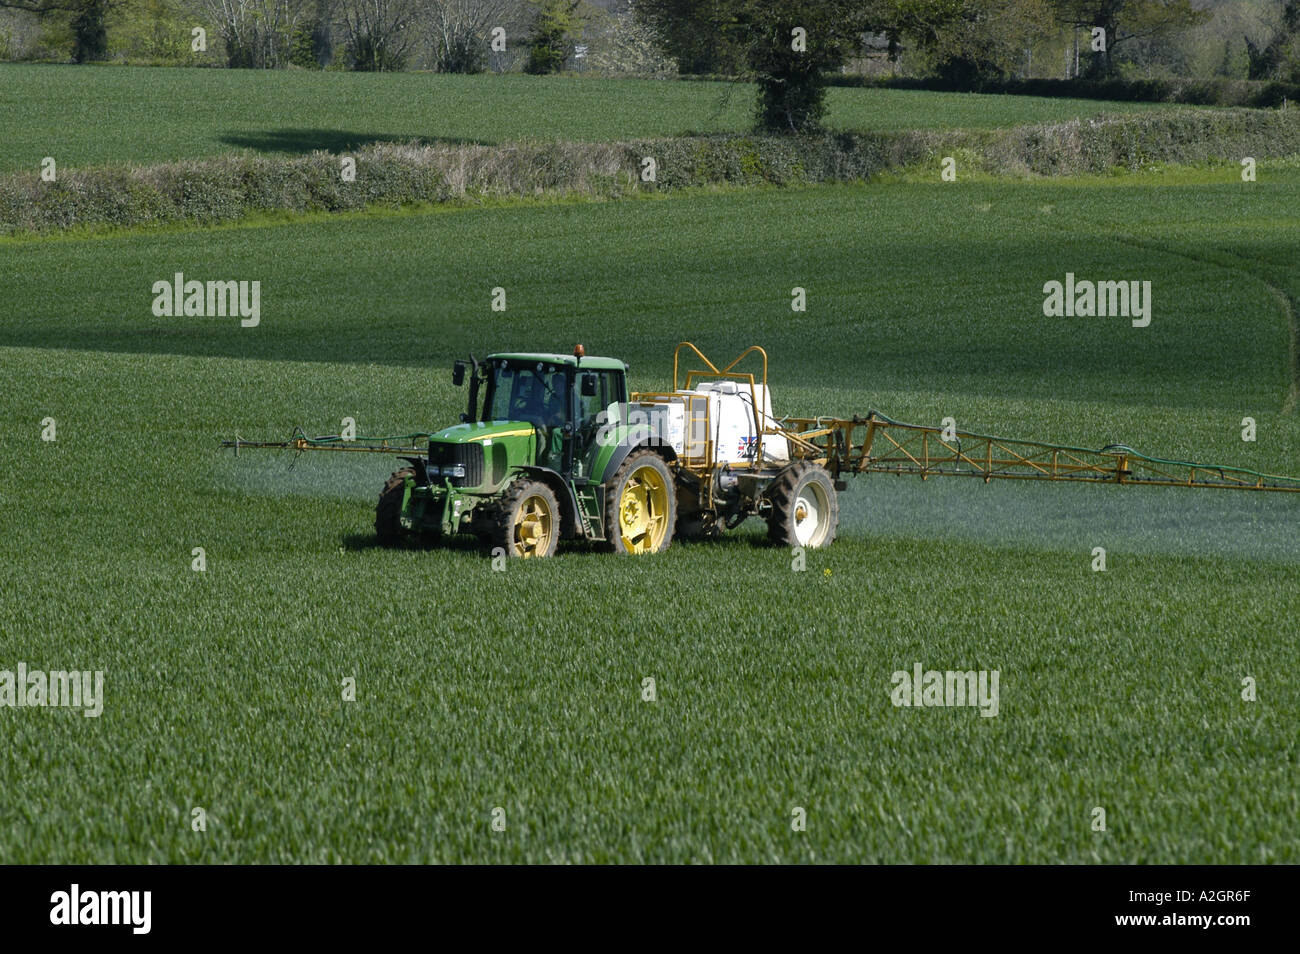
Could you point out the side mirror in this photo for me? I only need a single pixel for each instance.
(458, 373)
(588, 385)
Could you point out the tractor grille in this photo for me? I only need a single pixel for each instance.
(470, 456)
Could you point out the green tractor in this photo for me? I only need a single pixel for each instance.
(541, 455)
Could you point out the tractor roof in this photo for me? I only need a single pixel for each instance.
(596, 364)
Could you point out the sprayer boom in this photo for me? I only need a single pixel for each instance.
(300, 442)
(878, 444)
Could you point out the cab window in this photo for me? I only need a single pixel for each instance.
(609, 390)
(536, 393)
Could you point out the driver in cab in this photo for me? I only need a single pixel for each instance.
(542, 405)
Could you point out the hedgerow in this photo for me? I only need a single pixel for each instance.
(204, 191)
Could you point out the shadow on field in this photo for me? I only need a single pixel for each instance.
(470, 546)
(355, 542)
(361, 542)
(751, 534)
(302, 141)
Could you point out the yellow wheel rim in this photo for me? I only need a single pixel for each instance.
(643, 511)
(534, 525)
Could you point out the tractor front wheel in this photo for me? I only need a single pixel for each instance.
(528, 522)
(805, 508)
(388, 512)
(640, 505)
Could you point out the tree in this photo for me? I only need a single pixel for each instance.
(1278, 56)
(698, 35)
(789, 47)
(548, 45)
(87, 19)
(622, 43)
(312, 43)
(256, 33)
(378, 34)
(1124, 21)
(785, 46)
(461, 32)
(155, 30)
(974, 40)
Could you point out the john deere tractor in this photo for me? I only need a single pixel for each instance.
(540, 455)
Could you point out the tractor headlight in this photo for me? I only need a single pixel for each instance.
(445, 470)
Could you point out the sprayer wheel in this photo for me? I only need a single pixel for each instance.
(805, 507)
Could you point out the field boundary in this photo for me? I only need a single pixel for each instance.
(208, 191)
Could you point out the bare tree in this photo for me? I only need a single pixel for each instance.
(378, 34)
(461, 33)
(256, 32)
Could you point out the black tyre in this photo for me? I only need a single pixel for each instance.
(640, 505)
(528, 520)
(388, 512)
(805, 507)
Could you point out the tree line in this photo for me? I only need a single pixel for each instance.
(790, 49)
(464, 36)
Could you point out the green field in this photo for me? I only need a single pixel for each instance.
(141, 115)
(521, 689)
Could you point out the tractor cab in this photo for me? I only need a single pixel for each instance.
(562, 397)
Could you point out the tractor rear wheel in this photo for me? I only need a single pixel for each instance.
(388, 512)
(528, 520)
(640, 505)
(805, 507)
